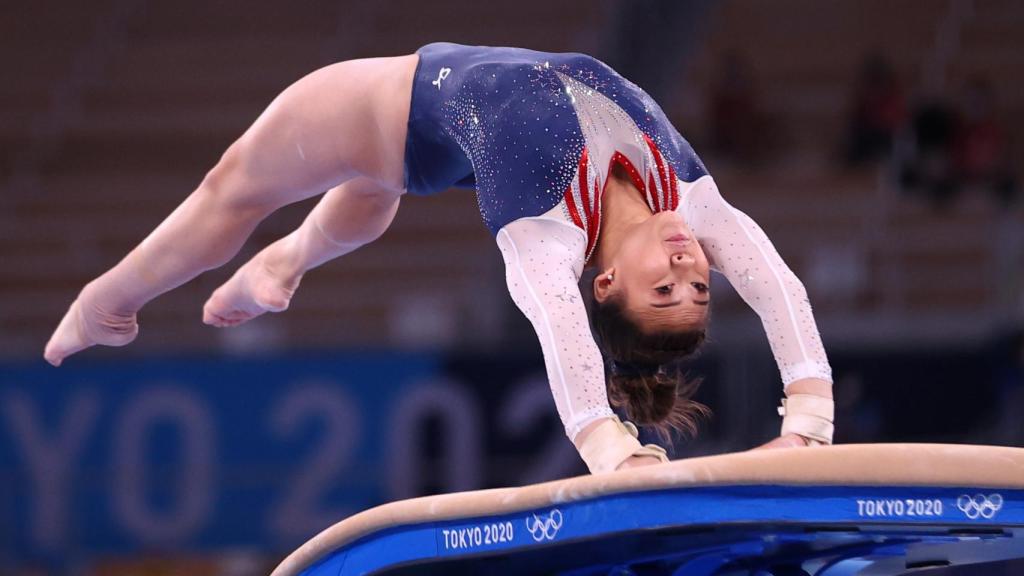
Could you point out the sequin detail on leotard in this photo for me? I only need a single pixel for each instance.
(516, 117)
(612, 137)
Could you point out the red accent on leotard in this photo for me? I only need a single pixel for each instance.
(588, 216)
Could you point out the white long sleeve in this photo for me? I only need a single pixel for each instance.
(544, 258)
(737, 247)
(543, 263)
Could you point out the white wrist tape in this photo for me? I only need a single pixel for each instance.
(808, 416)
(612, 443)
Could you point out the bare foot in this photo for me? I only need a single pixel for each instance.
(252, 291)
(85, 325)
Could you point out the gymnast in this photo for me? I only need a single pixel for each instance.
(574, 166)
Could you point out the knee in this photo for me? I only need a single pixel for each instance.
(229, 185)
(355, 219)
(375, 215)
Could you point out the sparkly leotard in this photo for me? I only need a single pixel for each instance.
(505, 120)
(537, 134)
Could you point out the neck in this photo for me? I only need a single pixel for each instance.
(624, 208)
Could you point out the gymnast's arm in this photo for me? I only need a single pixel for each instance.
(543, 263)
(739, 249)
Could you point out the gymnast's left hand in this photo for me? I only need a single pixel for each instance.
(87, 324)
(787, 441)
(638, 461)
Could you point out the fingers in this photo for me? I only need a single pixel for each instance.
(792, 441)
(68, 338)
(637, 462)
(787, 441)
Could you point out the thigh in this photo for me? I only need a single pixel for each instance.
(329, 127)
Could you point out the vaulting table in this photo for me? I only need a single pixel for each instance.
(825, 511)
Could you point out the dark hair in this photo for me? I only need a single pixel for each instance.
(644, 370)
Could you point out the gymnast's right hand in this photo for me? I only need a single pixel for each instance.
(87, 323)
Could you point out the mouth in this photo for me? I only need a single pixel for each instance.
(678, 239)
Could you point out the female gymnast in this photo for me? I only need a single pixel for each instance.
(574, 167)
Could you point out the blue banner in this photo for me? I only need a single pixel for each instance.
(171, 454)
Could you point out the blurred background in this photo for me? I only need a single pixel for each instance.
(876, 142)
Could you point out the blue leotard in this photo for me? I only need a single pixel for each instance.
(506, 121)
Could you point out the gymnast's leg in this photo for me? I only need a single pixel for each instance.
(340, 122)
(349, 216)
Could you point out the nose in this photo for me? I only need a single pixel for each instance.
(682, 259)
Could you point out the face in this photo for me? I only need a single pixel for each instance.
(661, 273)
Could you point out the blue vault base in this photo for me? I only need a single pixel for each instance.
(865, 509)
(720, 530)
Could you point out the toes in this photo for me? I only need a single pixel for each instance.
(243, 298)
(53, 356)
(216, 314)
(271, 297)
(54, 353)
(232, 318)
(214, 319)
(272, 303)
(209, 317)
(67, 338)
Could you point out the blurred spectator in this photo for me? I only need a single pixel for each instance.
(878, 111)
(925, 166)
(739, 128)
(980, 151)
(956, 148)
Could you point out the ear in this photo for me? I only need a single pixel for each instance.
(603, 283)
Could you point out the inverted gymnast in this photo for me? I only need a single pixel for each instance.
(574, 167)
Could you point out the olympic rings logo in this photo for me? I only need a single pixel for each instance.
(980, 505)
(545, 526)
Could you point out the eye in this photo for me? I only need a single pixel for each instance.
(666, 289)
(700, 286)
